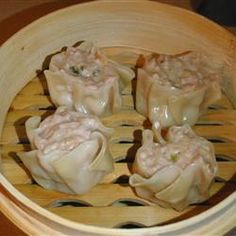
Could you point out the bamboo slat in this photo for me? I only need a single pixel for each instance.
(12, 166)
(16, 134)
(212, 117)
(100, 195)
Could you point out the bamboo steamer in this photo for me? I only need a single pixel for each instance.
(116, 26)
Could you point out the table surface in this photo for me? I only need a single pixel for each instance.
(15, 14)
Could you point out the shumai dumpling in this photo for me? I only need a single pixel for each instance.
(174, 173)
(84, 79)
(69, 151)
(176, 90)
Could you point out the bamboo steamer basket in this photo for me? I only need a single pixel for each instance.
(112, 208)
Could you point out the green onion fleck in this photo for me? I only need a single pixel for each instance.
(77, 70)
(74, 69)
(174, 157)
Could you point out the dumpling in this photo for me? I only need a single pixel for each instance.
(174, 173)
(176, 90)
(84, 79)
(69, 151)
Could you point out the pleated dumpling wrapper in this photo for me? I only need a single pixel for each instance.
(69, 151)
(84, 79)
(176, 90)
(175, 172)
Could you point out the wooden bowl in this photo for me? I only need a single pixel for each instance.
(112, 208)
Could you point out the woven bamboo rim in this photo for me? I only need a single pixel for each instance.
(135, 26)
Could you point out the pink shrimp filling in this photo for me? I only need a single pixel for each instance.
(182, 149)
(187, 72)
(90, 68)
(64, 131)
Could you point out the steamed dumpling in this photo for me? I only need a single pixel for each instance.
(69, 151)
(174, 173)
(84, 79)
(175, 90)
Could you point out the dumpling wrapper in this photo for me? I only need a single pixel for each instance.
(177, 173)
(94, 89)
(74, 172)
(161, 97)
